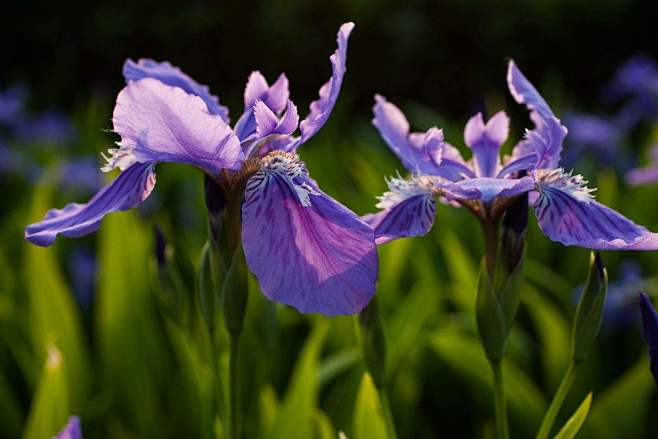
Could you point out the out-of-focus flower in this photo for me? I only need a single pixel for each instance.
(12, 103)
(82, 266)
(49, 127)
(650, 323)
(636, 77)
(565, 208)
(647, 174)
(597, 137)
(306, 249)
(71, 430)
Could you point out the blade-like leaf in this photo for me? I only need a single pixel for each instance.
(576, 421)
(368, 415)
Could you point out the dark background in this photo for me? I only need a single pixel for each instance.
(439, 53)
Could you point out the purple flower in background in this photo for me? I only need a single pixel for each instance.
(71, 430)
(598, 137)
(645, 175)
(637, 76)
(306, 249)
(12, 102)
(51, 127)
(565, 208)
(650, 324)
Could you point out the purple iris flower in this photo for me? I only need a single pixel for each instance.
(12, 103)
(71, 430)
(647, 174)
(650, 324)
(306, 249)
(565, 208)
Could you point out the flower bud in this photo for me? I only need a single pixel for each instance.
(589, 312)
(514, 226)
(235, 292)
(490, 318)
(650, 325)
(216, 206)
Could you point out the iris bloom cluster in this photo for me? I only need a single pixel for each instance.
(305, 248)
(486, 184)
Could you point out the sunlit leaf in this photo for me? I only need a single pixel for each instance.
(368, 414)
(576, 421)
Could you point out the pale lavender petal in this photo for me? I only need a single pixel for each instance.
(306, 249)
(518, 163)
(650, 326)
(640, 176)
(128, 190)
(413, 216)
(160, 123)
(567, 213)
(275, 96)
(321, 108)
(267, 123)
(421, 153)
(71, 430)
(485, 142)
(488, 188)
(171, 75)
(549, 134)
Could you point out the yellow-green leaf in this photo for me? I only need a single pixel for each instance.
(368, 414)
(575, 423)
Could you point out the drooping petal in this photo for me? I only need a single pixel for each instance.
(487, 188)
(128, 190)
(549, 133)
(321, 108)
(175, 77)
(306, 249)
(421, 153)
(650, 325)
(71, 430)
(485, 142)
(408, 209)
(567, 213)
(160, 123)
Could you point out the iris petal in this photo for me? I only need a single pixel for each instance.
(175, 77)
(485, 141)
(413, 216)
(128, 190)
(487, 188)
(567, 213)
(650, 325)
(71, 430)
(160, 123)
(306, 249)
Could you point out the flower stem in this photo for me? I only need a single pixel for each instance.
(502, 427)
(388, 414)
(234, 409)
(556, 404)
(490, 229)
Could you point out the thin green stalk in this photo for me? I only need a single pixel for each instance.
(234, 409)
(556, 404)
(502, 427)
(388, 414)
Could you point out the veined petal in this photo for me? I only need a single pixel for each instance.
(160, 123)
(650, 326)
(71, 430)
(408, 209)
(567, 213)
(485, 142)
(175, 77)
(321, 108)
(275, 96)
(421, 153)
(306, 249)
(487, 188)
(128, 190)
(549, 132)
(268, 123)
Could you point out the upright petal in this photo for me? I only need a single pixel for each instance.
(421, 153)
(485, 142)
(160, 123)
(306, 249)
(128, 190)
(171, 75)
(549, 133)
(650, 325)
(267, 123)
(321, 108)
(71, 430)
(567, 213)
(274, 97)
(408, 209)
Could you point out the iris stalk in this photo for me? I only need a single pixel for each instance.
(558, 400)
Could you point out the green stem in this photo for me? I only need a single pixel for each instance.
(502, 427)
(490, 229)
(556, 404)
(234, 409)
(388, 414)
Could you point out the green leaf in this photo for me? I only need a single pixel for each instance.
(465, 355)
(132, 344)
(368, 414)
(294, 417)
(50, 405)
(54, 317)
(575, 423)
(463, 272)
(621, 409)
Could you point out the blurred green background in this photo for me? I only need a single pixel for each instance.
(96, 327)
